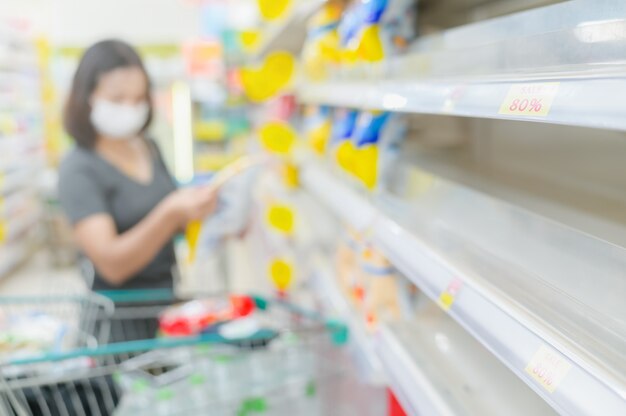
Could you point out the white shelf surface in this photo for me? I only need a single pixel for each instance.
(436, 368)
(503, 305)
(471, 70)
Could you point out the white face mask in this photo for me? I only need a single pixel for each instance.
(118, 121)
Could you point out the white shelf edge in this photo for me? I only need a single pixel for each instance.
(499, 329)
(580, 102)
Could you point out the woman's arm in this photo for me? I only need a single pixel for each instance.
(117, 257)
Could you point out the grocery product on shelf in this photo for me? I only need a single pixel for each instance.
(274, 9)
(277, 137)
(381, 290)
(22, 156)
(341, 146)
(377, 140)
(366, 140)
(348, 251)
(373, 30)
(317, 127)
(266, 80)
(321, 49)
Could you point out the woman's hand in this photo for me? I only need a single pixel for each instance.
(191, 204)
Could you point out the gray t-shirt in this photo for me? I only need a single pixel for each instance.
(88, 185)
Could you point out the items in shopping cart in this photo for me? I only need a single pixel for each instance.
(193, 375)
(32, 326)
(30, 333)
(198, 315)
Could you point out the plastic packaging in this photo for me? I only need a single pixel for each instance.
(322, 47)
(31, 333)
(342, 148)
(318, 122)
(348, 252)
(376, 146)
(381, 291)
(198, 315)
(373, 30)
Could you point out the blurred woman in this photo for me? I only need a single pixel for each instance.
(114, 187)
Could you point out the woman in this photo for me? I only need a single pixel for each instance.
(121, 200)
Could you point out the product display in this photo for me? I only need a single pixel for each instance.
(21, 147)
(412, 207)
(321, 50)
(372, 31)
(317, 129)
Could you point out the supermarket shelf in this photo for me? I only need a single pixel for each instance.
(572, 49)
(508, 308)
(437, 368)
(15, 201)
(290, 33)
(18, 226)
(599, 102)
(11, 256)
(361, 344)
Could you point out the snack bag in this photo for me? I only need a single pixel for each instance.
(376, 142)
(342, 148)
(317, 127)
(348, 252)
(377, 29)
(381, 301)
(321, 49)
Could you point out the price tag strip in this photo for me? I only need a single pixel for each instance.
(447, 297)
(548, 368)
(529, 100)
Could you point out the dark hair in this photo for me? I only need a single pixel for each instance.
(100, 58)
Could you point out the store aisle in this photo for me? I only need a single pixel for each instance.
(39, 277)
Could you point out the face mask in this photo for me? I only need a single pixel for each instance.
(118, 121)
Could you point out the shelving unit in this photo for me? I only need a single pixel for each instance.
(515, 312)
(563, 63)
(528, 264)
(436, 368)
(21, 147)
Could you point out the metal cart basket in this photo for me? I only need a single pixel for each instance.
(288, 367)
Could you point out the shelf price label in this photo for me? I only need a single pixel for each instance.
(447, 297)
(548, 368)
(529, 100)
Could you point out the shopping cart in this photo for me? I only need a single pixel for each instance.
(287, 367)
(81, 319)
(136, 312)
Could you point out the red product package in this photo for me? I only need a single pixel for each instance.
(195, 316)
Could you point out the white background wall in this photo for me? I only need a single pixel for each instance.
(81, 22)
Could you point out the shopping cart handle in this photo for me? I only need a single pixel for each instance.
(139, 295)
